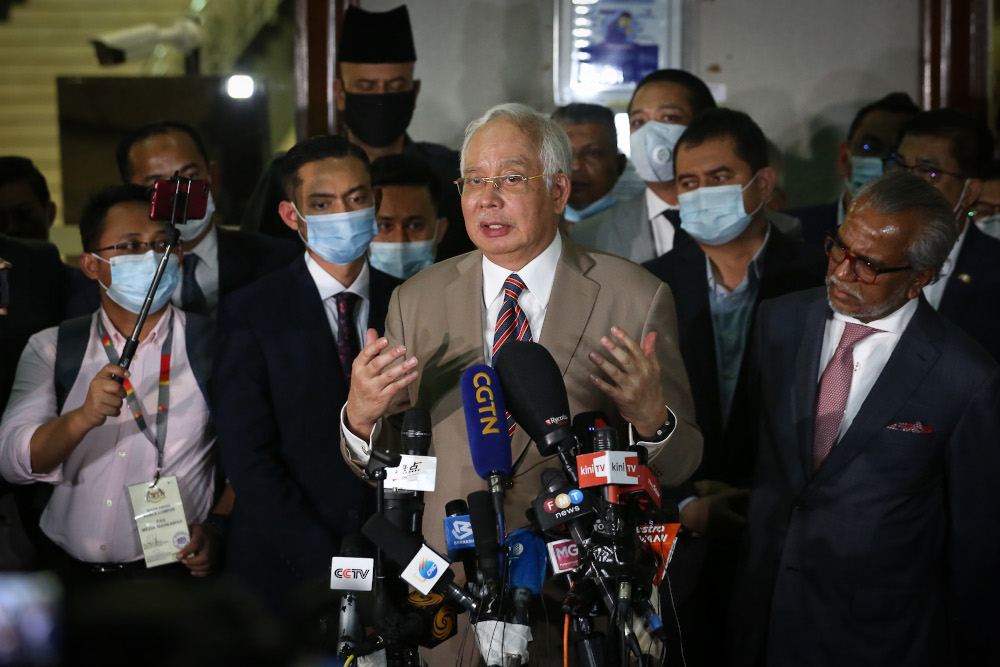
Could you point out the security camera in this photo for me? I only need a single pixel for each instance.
(139, 41)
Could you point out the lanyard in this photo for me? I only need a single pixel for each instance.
(163, 397)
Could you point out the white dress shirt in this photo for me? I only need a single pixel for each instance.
(663, 229)
(329, 287)
(870, 354)
(206, 273)
(89, 515)
(537, 276)
(935, 291)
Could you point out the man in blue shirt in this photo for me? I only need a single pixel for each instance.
(737, 259)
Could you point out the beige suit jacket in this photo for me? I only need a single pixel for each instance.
(438, 315)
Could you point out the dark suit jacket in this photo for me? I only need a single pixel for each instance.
(277, 398)
(972, 296)
(244, 257)
(37, 284)
(786, 266)
(816, 221)
(886, 555)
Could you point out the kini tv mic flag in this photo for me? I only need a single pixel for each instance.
(536, 394)
(661, 538)
(486, 421)
(608, 467)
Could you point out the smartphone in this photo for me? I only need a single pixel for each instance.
(4, 289)
(179, 200)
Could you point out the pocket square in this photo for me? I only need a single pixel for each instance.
(915, 427)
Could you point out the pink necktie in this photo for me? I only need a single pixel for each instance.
(834, 387)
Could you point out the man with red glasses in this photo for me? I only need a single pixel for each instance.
(952, 151)
(875, 486)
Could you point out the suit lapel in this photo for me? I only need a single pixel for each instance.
(958, 293)
(380, 286)
(307, 311)
(913, 357)
(805, 390)
(570, 305)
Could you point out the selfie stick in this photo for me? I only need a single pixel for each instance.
(173, 236)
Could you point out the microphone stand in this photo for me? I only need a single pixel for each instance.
(174, 237)
(395, 654)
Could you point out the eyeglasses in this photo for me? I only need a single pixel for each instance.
(137, 247)
(509, 183)
(863, 270)
(983, 209)
(928, 173)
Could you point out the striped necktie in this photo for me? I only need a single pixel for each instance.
(512, 324)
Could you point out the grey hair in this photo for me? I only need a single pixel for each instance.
(554, 150)
(900, 192)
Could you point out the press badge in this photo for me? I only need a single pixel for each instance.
(159, 516)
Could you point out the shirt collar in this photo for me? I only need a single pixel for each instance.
(155, 337)
(207, 248)
(656, 206)
(537, 275)
(329, 286)
(753, 269)
(895, 322)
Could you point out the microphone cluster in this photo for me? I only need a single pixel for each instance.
(596, 521)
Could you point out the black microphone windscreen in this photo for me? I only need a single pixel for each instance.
(535, 392)
(484, 533)
(396, 544)
(553, 479)
(354, 546)
(416, 432)
(456, 507)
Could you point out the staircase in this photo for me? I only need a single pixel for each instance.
(45, 39)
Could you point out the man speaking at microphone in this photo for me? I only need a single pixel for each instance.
(608, 323)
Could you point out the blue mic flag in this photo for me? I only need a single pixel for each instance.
(527, 559)
(486, 421)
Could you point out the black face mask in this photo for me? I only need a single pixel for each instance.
(378, 120)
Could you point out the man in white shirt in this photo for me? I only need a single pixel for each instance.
(643, 227)
(216, 260)
(609, 325)
(877, 457)
(84, 438)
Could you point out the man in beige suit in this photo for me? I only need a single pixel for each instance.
(583, 306)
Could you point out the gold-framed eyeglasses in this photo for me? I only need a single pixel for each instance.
(510, 183)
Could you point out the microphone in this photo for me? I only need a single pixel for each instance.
(350, 572)
(423, 568)
(584, 425)
(484, 532)
(429, 619)
(486, 424)
(536, 398)
(406, 508)
(459, 537)
(526, 561)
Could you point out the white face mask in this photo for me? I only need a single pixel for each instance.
(192, 229)
(132, 275)
(653, 147)
(716, 215)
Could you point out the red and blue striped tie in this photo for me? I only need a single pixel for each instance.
(512, 324)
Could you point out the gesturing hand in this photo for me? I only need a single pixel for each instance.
(634, 375)
(374, 381)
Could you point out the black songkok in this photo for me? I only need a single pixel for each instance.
(377, 37)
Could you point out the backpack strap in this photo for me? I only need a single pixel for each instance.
(71, 346)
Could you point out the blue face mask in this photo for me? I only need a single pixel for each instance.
(653, 150)
(131, 276)
(605, 202)
(402, 260)
(715, 215)
(863, 169)
(340, 238)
